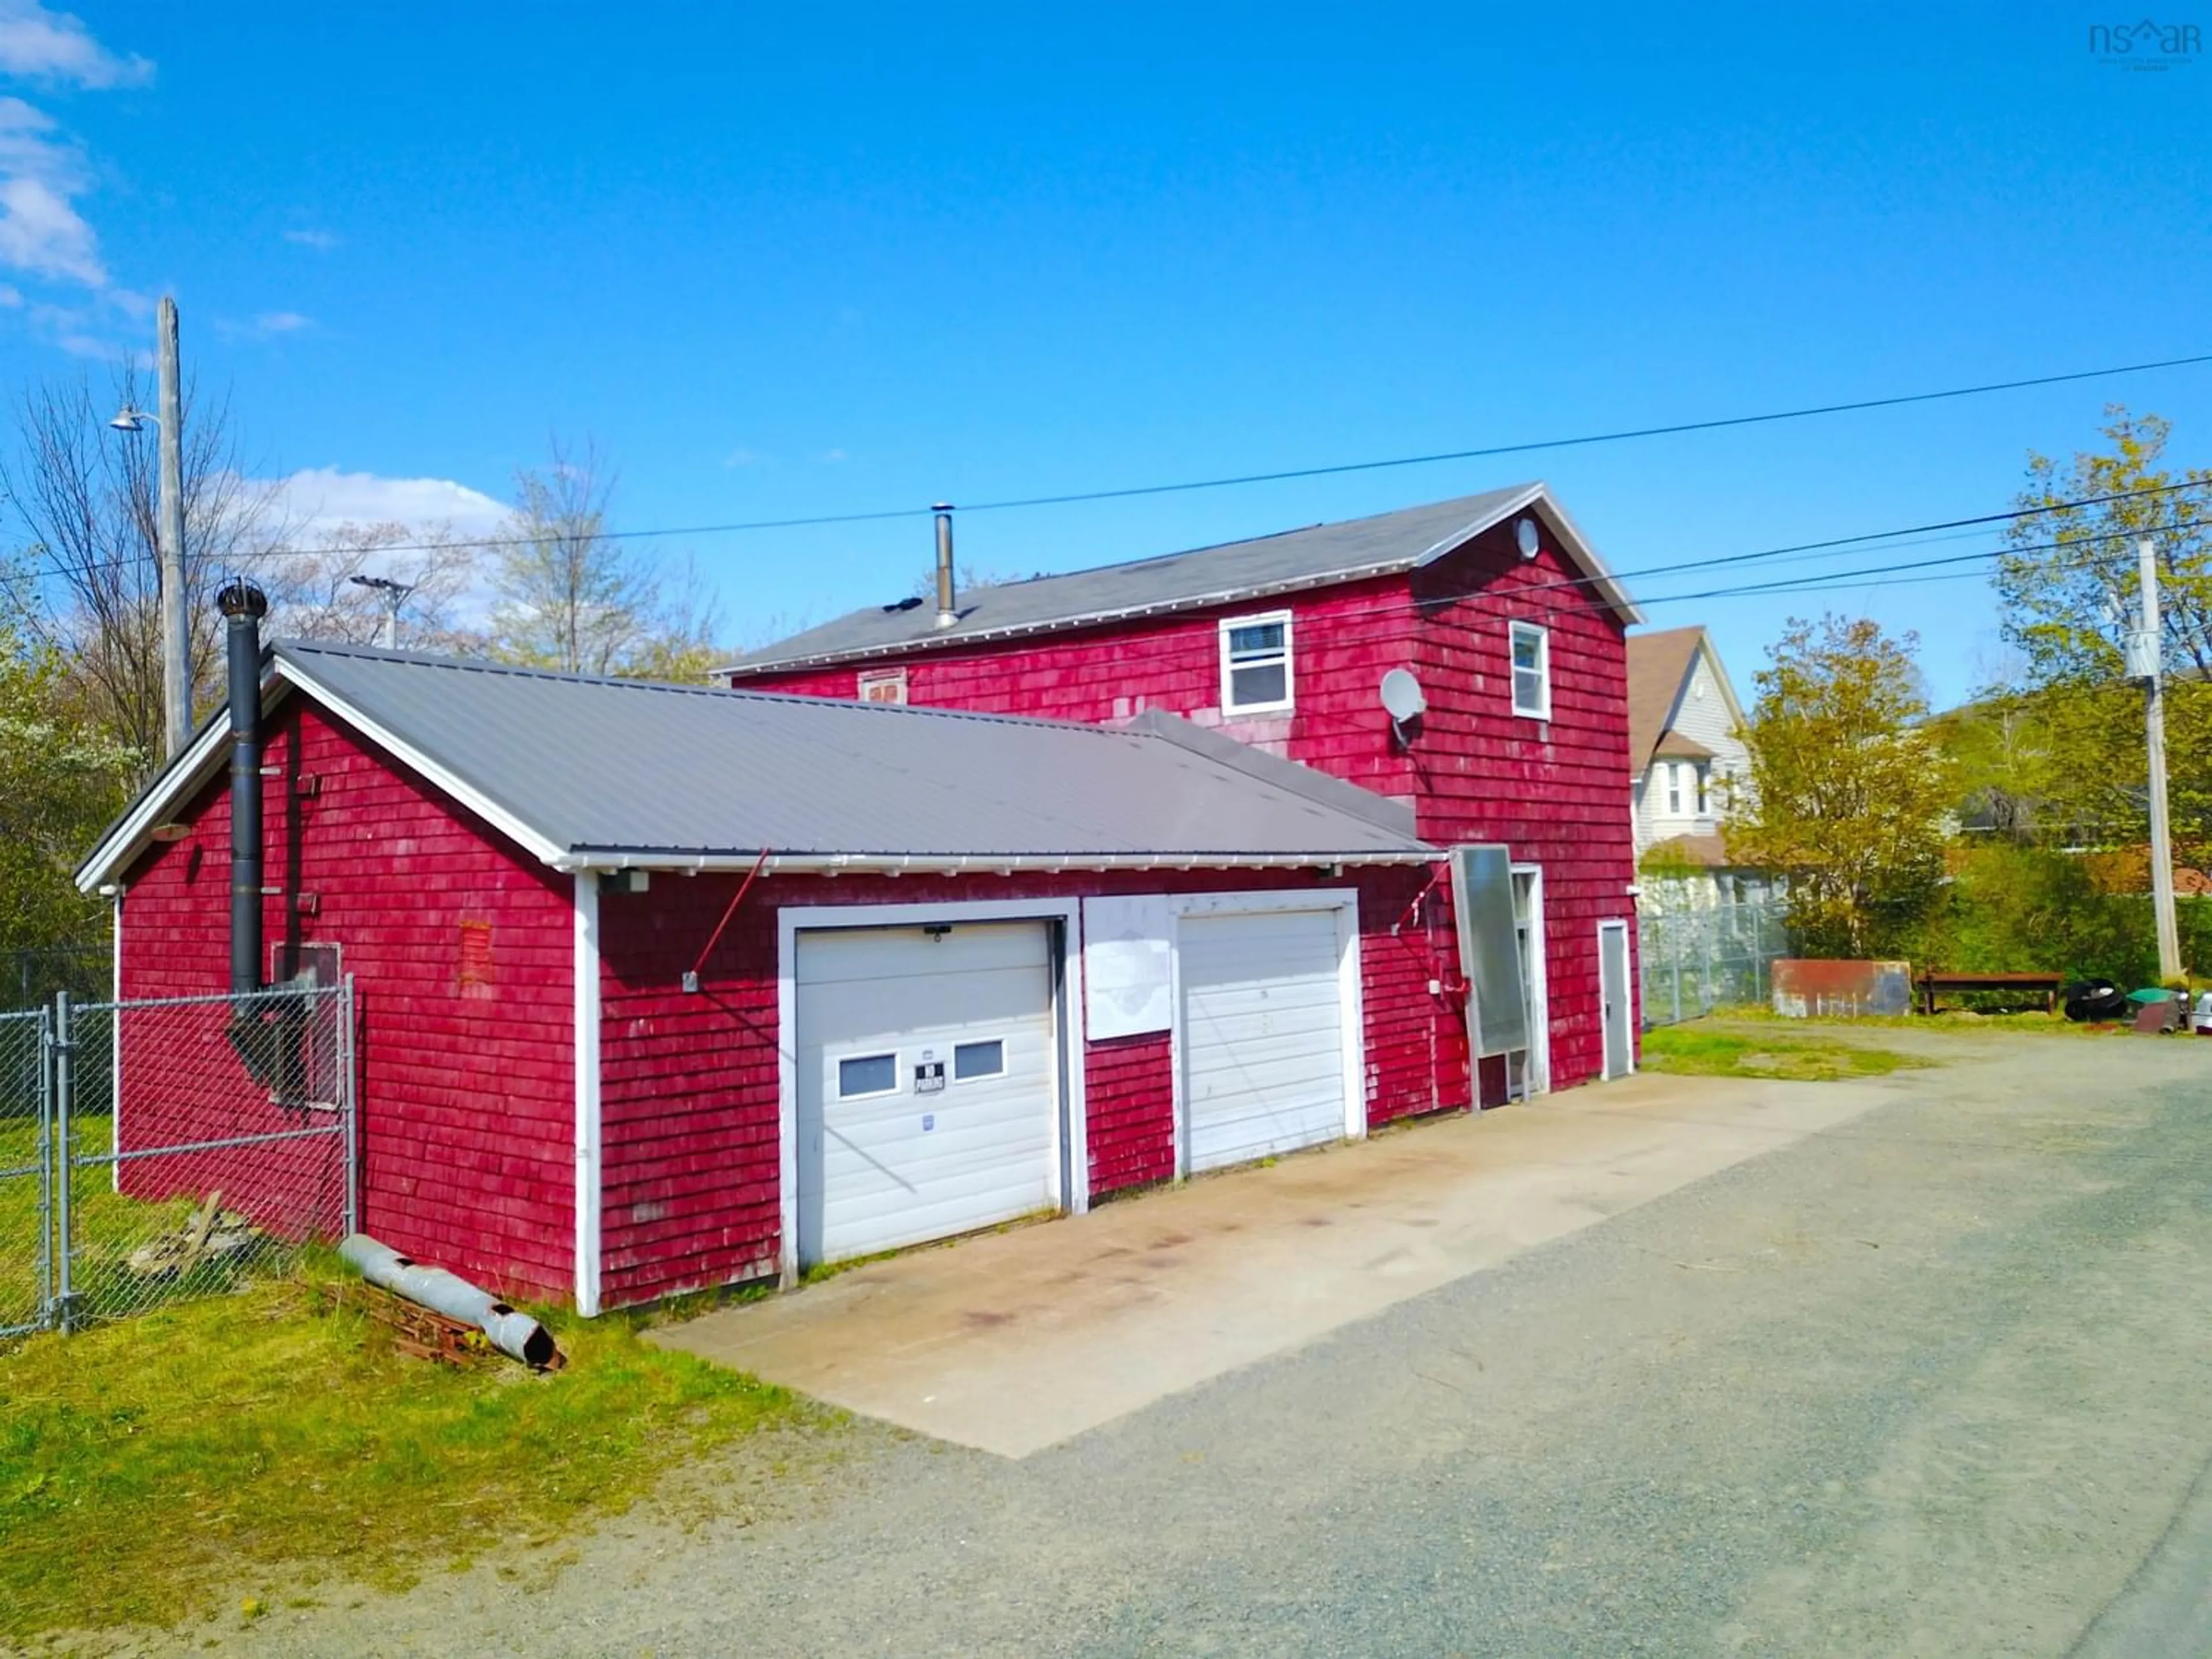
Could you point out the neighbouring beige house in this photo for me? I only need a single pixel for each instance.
(1685, 748)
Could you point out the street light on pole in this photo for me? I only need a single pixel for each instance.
(176, 647)
(395, 595)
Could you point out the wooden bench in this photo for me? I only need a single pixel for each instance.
(1932, 983)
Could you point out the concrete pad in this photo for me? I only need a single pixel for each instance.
(1011, 1342)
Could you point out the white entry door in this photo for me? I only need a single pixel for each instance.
(927, 1072)
(1618, 1011)
(1263, 1037)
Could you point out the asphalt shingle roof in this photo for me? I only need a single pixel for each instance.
(1657, 664)
(1312, 556)
(589, 766)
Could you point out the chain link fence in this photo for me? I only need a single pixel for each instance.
(173, 1147)
(1692, 961)
(26, 1172)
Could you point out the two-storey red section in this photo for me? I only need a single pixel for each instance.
(1554, 790)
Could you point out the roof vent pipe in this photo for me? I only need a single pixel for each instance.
(243, 607)
(946, 616)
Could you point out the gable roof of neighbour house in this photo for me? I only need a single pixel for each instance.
(1318, 555)
(594, 774)
(1659, 668)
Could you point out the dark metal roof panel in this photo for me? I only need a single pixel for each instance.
(1224, 573)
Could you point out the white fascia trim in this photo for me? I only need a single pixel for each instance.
(935, 863)
(182, 780)
(447, 782)
(794, 919)
(586, 971)
(1351, 1011)
(1593, 565)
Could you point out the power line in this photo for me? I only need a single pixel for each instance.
(1287, 475)
(1620, 437)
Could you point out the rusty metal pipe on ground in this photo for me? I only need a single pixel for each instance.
(515, 1334)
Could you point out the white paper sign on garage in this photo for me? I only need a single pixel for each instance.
(1127, 951)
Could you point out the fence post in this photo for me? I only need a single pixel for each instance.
(349, 1216)
(1675, 961)
(44, 1311)
(64, 1081)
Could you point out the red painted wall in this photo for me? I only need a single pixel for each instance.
(689, 1099)
(1556, 793)
(466, 1092)
(1344, 640)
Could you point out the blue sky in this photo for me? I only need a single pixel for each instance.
(786, 261)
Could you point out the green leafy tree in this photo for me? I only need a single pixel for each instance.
(2066, 585)
(61, 780)
(1848, 798)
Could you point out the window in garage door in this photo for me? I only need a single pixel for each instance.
(1262, 1033)
(927, 1073)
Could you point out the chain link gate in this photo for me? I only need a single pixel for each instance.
(157, 1151)
(27, 1183)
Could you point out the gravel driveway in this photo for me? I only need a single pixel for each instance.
(1931, 1382)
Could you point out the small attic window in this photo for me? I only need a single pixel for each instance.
(884, 685)
(1255, 663)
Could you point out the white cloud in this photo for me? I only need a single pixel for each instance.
(41, 173)
(322, 497)
(52, 46)
(833, 456)
(321, 240)
(743, 457)
(267, 326)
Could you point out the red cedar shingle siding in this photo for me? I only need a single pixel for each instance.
(1556, 793)
(467, 1101)
(689, 1096)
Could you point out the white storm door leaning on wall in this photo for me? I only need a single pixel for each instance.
(927, 1073)
(1266, 1027)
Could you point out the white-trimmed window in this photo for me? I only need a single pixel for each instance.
(1704, 792)
(1673, 789)
(1532, 672)
(884, 685)
(1256, 663)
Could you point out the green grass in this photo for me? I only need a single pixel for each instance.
(107, 1227)
(1696, 1049)
(1958, 1021)
(213, 1454)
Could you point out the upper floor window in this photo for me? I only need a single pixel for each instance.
(1674, 789)
(1256, 663)
(885, 685)
(1532, 672)
(1703, 797)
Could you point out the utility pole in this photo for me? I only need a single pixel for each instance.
(394, 595)
(2148, 664)
(176, 639)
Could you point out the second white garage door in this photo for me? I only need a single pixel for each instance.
(1262, 1033)
(927, 1073)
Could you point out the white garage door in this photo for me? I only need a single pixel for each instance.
(929, 1081)
(1262, 1034)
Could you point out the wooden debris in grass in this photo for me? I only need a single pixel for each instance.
(210, 1232)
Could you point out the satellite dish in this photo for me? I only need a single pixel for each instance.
(1525, 536)
(1402, 699)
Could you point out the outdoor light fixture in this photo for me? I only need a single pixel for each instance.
(128, 419)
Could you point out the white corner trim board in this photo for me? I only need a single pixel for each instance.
(587, 974)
